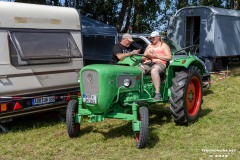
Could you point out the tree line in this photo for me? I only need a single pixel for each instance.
(139, 16)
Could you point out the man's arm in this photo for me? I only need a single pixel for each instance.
(121, 56)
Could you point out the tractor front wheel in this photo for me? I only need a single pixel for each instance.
(186, 96)
(141, 136)
(72, 127)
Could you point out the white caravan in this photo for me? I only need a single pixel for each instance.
(40, 57)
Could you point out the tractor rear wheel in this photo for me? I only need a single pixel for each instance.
(141, 136)
(186, 96)
(72, 127)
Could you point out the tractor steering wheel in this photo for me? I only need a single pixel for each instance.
(134, 59)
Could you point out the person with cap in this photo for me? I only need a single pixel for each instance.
(159, 53)
(123, 49)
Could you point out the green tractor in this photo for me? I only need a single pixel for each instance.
(121, 91)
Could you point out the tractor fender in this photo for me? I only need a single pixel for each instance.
(187, 62)
(179, 64)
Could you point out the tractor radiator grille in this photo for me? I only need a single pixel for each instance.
(90, 82)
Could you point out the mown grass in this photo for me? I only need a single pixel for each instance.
(214, 136)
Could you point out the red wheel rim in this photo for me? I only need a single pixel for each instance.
(137, 136)
(76, 126)
(193, 96)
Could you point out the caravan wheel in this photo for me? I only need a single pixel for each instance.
(72, 127)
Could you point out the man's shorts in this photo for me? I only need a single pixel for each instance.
(148, 67)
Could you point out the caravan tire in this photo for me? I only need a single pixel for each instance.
(72, 127)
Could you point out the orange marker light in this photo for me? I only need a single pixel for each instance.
(3, 107)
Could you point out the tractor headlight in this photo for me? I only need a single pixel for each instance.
(127, 82)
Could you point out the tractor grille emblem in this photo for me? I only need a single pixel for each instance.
(90, 77)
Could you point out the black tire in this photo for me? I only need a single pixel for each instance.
(186, 96)
(142, 135)
(72, 127)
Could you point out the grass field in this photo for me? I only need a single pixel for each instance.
(215, 136)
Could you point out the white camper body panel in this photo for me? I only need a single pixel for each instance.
(22, 27)
(22, 15)
(36, 78)
(16, 80)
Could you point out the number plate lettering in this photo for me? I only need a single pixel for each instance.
(90, 99)
(43, 100)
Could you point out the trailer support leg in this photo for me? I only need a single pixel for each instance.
(61, 119)
(4, 129)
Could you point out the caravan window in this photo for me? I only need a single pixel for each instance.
(42, 47)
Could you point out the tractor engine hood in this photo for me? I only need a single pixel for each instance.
(101, 83)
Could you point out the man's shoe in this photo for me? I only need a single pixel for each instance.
(157, 97)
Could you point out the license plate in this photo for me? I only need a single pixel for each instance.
(90, 98)
(43, 100)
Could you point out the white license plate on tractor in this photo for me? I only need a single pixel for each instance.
(89, 98)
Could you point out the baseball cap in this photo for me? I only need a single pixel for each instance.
(154, 34)
(127, 36)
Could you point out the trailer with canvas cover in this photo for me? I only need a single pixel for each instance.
(40, 57)
(98, 40)
(215, 30)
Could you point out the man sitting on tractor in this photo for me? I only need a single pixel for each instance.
(159, 53)
(123, 49)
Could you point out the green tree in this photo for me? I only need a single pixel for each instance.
(134, 15)
(214, 3)
(105, 11)
(141, 15)
(46, 2)
(182, 3)
(138, 15)
(32, 1)
(234, 4)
